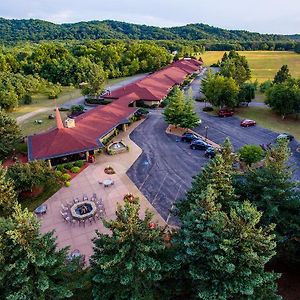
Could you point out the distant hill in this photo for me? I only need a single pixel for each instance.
(36, 30)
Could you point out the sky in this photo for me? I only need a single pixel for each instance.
(264, 16)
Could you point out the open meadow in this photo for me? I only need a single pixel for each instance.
(263, 64)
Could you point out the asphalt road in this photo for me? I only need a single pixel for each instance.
(164, 171)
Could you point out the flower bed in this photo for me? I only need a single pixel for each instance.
(109, 170)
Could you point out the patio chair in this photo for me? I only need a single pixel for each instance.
(63, 214)
(76, 200)
(95, 196)
(85, 197)
(82, 222)
(91, 220)
(67, 219)
(73, 221)
(96, 216)
(64, 208)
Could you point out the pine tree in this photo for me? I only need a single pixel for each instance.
(174, 110)
(282, 75)
(31, 267)
(189, 118)
(274, 192)
(130, 263)
(218, 173)
(225, 253)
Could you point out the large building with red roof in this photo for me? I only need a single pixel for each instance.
(87, 132)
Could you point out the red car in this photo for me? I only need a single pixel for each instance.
(247, 123)
(225, 113)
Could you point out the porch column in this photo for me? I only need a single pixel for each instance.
(87, 156)
(49, 163)
(124, 127)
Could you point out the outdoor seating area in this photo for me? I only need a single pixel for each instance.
(82, 211)
(107, 182)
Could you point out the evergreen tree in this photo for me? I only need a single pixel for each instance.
(226, 253)
(10, 134)
(272, 190)
(218, 173)
(189, 118)
(31, 267)
(282, 75)
(174, 110)
(130, 263)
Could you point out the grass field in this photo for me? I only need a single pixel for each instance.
(263, 64)
(268, 119)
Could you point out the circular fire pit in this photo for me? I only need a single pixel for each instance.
(83, 210)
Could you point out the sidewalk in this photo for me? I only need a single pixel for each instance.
(87, 182)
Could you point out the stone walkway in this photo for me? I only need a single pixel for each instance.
(87, 182)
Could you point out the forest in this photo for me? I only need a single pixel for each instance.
(212, 38)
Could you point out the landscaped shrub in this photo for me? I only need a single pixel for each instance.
(79, 163)
(65, 177)
(75, 170)
(69, 166)
(68, 183)
(207, 108)
(58, 173)
(60, 168)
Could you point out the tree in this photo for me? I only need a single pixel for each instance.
(297, 48)
(10, 134)
(27, 176)
(7, 193)
(220, 91)
(282, 75)
(246, 93)
(96, 79)
(175, 108)
(251, 154)
(189, 118)
(218, 173)
(235, 66)
(31, 268)
(129, 263)
(264, 86)
(272, 189)
(226, 253)
(284, 98)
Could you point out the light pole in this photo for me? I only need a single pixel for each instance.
(206, 130)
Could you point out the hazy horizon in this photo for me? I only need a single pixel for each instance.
(268, 16)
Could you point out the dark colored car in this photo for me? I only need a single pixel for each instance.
(284, 135)
(248, 123)
(199, 145)
(210, 152)
(225, 113)
(189, 137)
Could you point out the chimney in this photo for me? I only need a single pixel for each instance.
(58, 119)
(69, 123)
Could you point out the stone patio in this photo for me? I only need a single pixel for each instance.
(87, 182)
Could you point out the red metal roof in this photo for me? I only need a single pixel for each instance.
(96, 123)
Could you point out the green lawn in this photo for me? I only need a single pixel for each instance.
(30, 127)
(268, 119)
(263, 64)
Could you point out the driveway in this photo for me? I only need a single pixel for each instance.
(163, 172)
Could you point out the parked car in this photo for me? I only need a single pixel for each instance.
(248, 123)
(199, 145)
(210, 152)
(225, 113)
(284, 135)
(189, 137)
(266, 147)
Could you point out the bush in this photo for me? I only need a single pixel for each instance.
(58, 173)
(79, 163)
(207, 108)
(251, 154)
(75, 170)
(69, 166)
(27, 99)
(65, 177)
(68, 183)
(60, 168)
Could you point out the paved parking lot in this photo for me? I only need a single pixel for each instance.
(164, 171)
